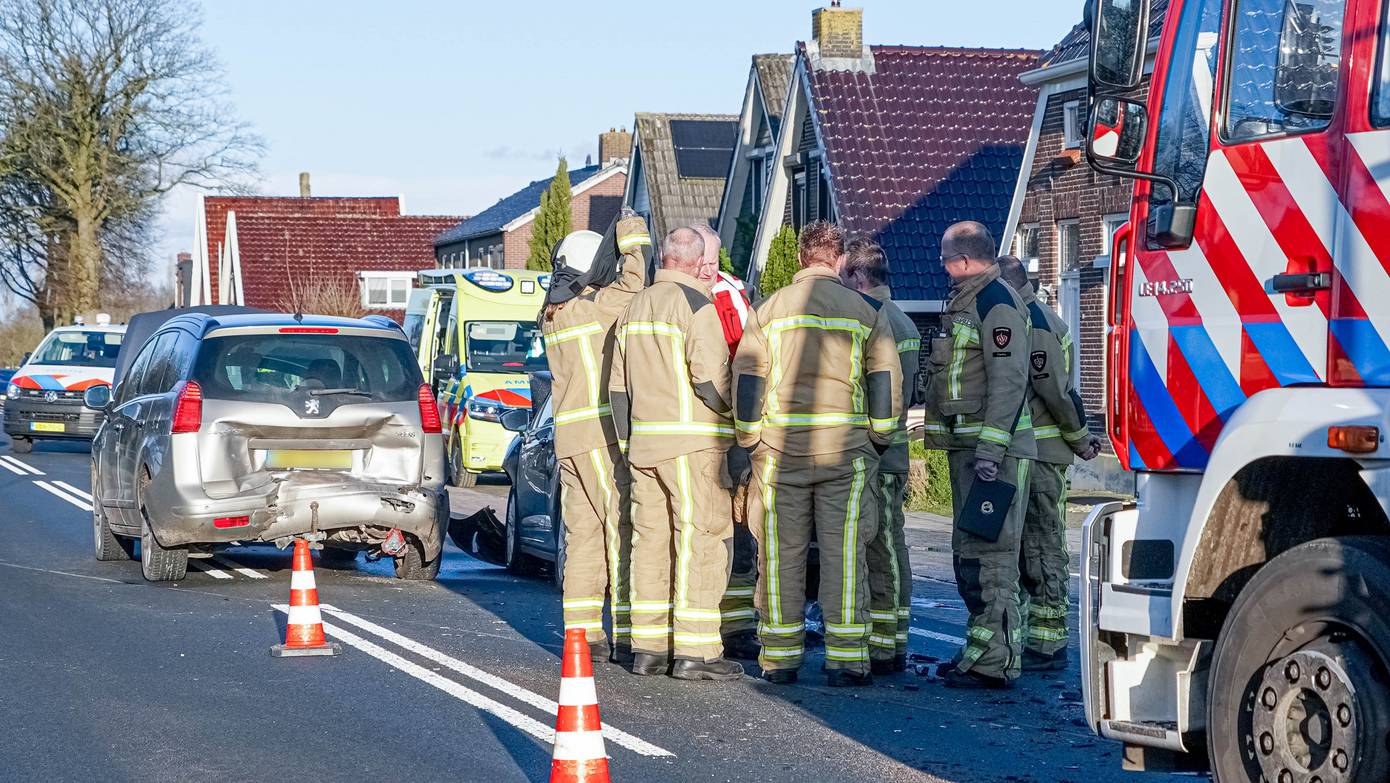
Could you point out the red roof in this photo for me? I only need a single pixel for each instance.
(216, 207)
(933, 136)
(274, 248)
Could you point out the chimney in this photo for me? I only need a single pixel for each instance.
(838, 32)
(304, 184)
(614, 145)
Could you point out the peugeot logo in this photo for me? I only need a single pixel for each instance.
(311, 407)
(50, 396)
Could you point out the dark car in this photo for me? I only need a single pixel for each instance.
(532, 532)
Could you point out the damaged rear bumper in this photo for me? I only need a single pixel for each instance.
(299, 503)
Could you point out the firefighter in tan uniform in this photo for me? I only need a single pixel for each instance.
(818, 395)
(670, 397)
(977, 409)
(890, 571)
(1059, 426)
(578, 324)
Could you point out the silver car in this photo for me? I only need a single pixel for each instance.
(262, 428)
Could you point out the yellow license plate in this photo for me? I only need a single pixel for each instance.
(46, 426)
(309, 459)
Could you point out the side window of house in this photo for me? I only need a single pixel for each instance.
(1026, 245)
(1068, 245)
(1283, 67)
(1072, 122)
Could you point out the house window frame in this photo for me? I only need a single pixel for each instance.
(1073, 135)
(1059, 247)
(1030, 262)
(1109, 223)
(364, 286)
(800, 207)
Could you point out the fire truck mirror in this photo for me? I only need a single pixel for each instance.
(1119, 33)
(1118, 129)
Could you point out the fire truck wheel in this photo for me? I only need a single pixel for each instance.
(1299, 687)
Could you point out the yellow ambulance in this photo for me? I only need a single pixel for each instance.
(476, 338)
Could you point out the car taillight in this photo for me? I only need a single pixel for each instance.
(226, 522)
(188, 411)
(429, 412)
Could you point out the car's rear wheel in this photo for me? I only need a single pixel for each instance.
(518, 562)
(1300, 679)
(458, 474)
(157, 563)
(108, 545)
(413, 565)
(21, 445)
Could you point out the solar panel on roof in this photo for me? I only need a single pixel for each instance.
(703, 148)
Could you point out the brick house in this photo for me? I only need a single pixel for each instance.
(1064, 214)
(254, 250)
(750, 169)
(679, 165)
(896, 143)
(499, 237)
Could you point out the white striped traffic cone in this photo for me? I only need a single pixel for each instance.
(304, 629)
(578, 756)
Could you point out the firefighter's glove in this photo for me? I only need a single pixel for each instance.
(986, 470)
(740, 466)
(1092, 449)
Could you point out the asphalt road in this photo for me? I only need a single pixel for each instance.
(108, 677)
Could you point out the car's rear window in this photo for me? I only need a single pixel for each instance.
(276, 367)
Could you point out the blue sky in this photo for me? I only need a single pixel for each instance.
(456, 104)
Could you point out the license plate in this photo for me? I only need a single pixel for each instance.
(46, 426)
(312, 459)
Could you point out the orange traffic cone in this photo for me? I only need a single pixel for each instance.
(304, 630)
(578, 756)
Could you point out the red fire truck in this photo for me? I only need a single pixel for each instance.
(1237, 617)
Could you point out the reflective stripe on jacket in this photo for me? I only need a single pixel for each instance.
(909, 344)
(817, 371)
(579, 350)
(670, 382)
(977, 386)
(1059, 418)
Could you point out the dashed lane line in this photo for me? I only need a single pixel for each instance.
(55, 491)
(13, 464)
(62, 573)
(87, 496)
(244, 571)
(940, 637)
(616, 736)
(12, 469)
(215, 573)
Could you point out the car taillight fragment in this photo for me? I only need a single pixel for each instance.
(225, 522)
(188, 410)
(429, 412)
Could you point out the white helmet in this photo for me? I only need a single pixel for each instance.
(576, 251)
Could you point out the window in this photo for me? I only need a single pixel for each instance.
(1283, 67)
(1380, 104)
(1184, 120)
(385, 290)
(286, 369)
(1026, 245)
(824, 209)
(1068, 245)
(756, 167)
(1110, 224)
(1072, 123)
(504, 346)
(1069, 308)
(131, 382)
(73, 348)
(799, 199)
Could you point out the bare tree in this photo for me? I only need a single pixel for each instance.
(105, 105)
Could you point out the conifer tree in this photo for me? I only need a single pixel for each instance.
(782, 263)
(552, 222)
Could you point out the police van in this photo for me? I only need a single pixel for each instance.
(476, 336)
(43, 399)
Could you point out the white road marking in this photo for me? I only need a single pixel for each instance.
(12, 468)
(940, 637)
(76, 501)
(87, 496)
(616, 736)
(215, 573)
(526, 723)
(239, 569)
(61, 573)
(24, 466)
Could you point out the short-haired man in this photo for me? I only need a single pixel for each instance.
(977, 409)
(738, 615)
(818, 393)
(890, 571)
(670, 397)
(1059, 426)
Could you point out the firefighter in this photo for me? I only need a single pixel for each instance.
(738, 616)
(578, 324)
(818, 395)
(890, 572)
(1059, 427)
(978, 388)
(670, 393)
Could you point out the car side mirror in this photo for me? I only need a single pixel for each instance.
(446, 365)
(25, 360)
(97, 397)
(516, 420)
(1118, 129)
